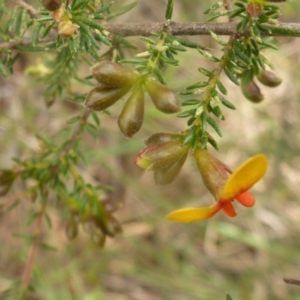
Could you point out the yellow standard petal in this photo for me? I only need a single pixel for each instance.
(192, 214)
(244, 177)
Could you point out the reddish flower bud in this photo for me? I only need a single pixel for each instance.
(254, 10)
(269, 78)
(103, 97)
(132, 115)
(163, 98)
(113, 75)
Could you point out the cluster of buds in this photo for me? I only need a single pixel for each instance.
(252, 91)
(165, 155)
(66, 28)
(97, 226)
(225, 186)
(115, 81)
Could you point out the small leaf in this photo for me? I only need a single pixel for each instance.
(231, 76)
(228, 297)
(122, 11)
(169, 10)
(221, 87)
(73, 120)
(214, 125)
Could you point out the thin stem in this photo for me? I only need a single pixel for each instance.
(291, 281)
(28, 268)
(176, 29)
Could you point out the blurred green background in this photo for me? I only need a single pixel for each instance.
(155, 259)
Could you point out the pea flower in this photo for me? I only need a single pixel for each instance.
(165, 154)
(224, 185)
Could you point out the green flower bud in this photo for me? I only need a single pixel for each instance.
(160, 156)
(252, 92)
(52, 5)
(269, 78)
(132, 115)
(7, 178)
(167, 175)
(213, 172)
(113, 75)
(71, 228)
(67, 29)
(102, 97)
(159, 138)
(163, 98)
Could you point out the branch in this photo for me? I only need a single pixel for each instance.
(193, 28)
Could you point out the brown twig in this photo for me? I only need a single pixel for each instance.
(28, 268)
(291, 281)
(178, 29)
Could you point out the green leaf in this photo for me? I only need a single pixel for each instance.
(47, 247)
(96, 118)
(214, 125)
(31, 48)
(73, 120)
(35, 33)
(3, 70)
(190, 102)
(122, 11)
(169, 10)
(231, 76)
(221, 87)
(205, 72)
(159, 75)
(187, 113)
(228, 297)
(226, 103)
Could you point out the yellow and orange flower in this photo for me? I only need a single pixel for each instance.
(225, 187)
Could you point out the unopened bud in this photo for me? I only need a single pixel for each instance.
(71, 228)
(132, 115)
(103, 97)
(67, 29)
(163, 98)
(52, 5)
(98, 237)
(269, 78)
(254, 10)
(252, 92)
(113, 75)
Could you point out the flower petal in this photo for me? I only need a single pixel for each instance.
(244, 177)
(192, 214)
(246, 199)
(229, 209)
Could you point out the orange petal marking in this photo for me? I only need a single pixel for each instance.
(229, 209)
(244, 177)
(246, 199)
(192, 214)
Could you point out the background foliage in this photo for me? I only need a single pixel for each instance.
(154, 259)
